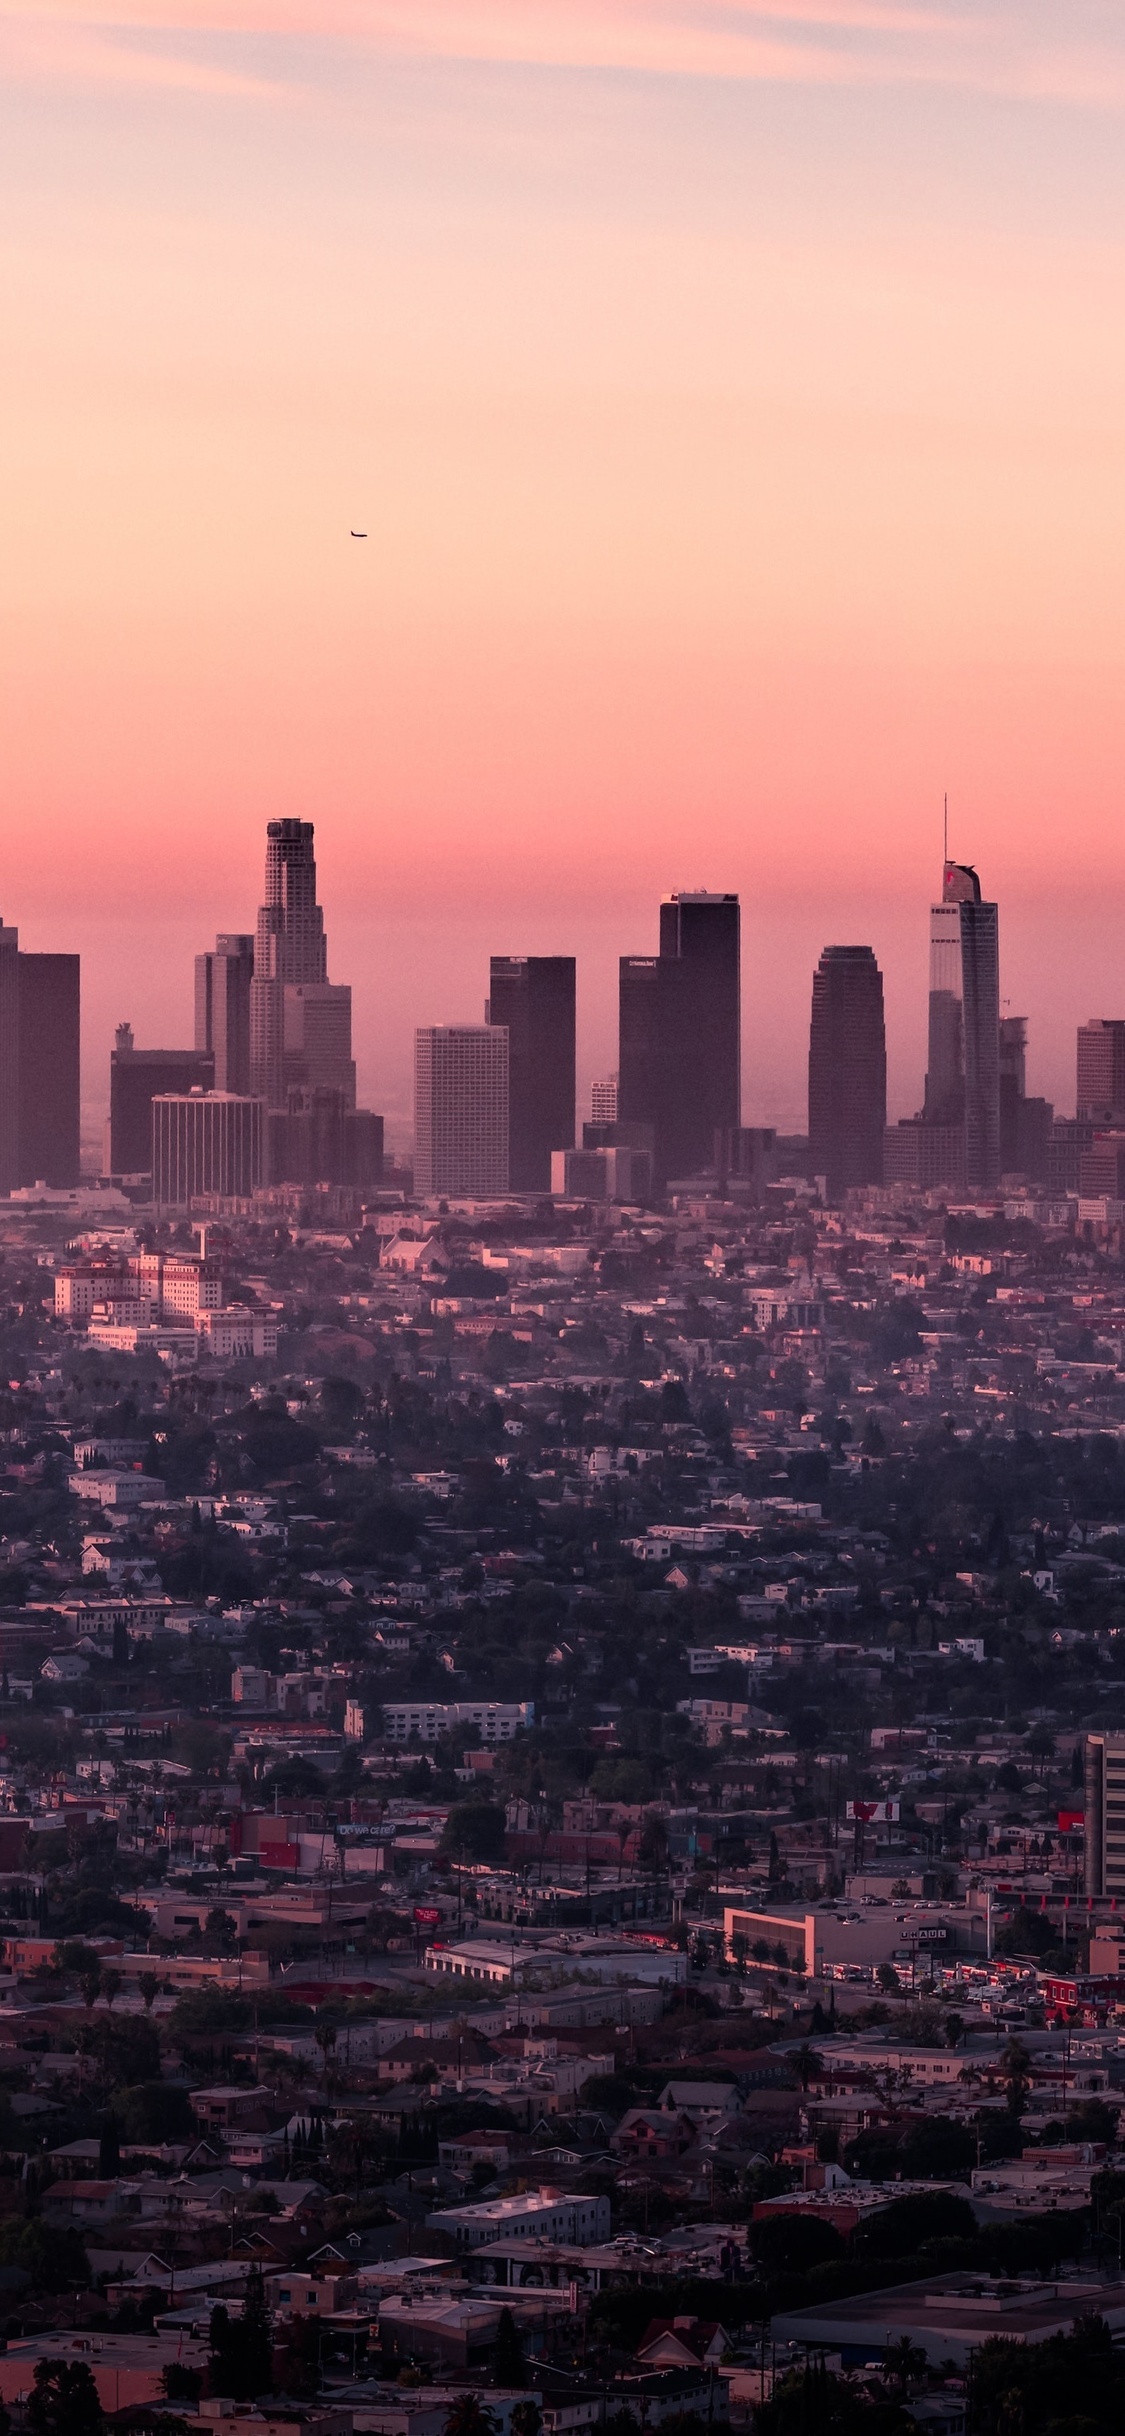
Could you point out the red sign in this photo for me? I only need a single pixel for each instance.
(427, 1915)
(1071, 1822)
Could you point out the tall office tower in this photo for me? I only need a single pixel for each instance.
(603, 1102)
(317, 1038)
(680, 1062)
(39, 1066)
(1101, 1071)
(1025, 1124)
(533, 997)
(290, 951)
(461, 1111)
(136, 1078)
(49, 1109)
(1105, 1814)
(205, 1142)
(963, 1073)
(222, 1007)
(847, 1070)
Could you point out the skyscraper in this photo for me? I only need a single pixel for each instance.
(533, 997)
(963, 1072)
(290, 954)
(136, 1078)
(680, 1032)
(1101, 1071)
(1025, 1124)
(222, 1007)
(39, 1066)
(847, 1070)
(461, 1111)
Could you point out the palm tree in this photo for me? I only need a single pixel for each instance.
(905, 2361)
(468, 2416)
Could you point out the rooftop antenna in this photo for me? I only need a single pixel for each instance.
(945, 828)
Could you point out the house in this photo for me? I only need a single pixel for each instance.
(652, 2132)
(682, 2343)
(310, 2293)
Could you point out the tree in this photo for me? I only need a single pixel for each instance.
(905, 2361)
(241, 2351)
(181, 2383)
(888, 1979)
(474, 1831)
(469, 2416)
(109, 2150)
(508, 2364)
(126, 2051)
(220, 1931)
(64, 2400)
(156, 2111)
(112, 1984)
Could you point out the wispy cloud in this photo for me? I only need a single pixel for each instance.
(1030, 47)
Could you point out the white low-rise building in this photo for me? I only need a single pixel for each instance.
(547, 2214)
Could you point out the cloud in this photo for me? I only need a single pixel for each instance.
(1027, 47)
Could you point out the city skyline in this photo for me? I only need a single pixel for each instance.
(774, 1060)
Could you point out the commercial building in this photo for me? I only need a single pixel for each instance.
(1101, 1168)
(1104, 1827)
(39, 1066)
(847, 1070)
(617, 1172)
(497, 1720)
(205, 1142)
(603, 1102)
(948, 2317)
(461, 1111)
(533, 997)
(136, 1078)
(1025, 1124)
(963, 1069)
(321, 1139)
(680, 1033)
(547, 2214)
(1101, 1071)
(838, 1933)
(922, 1155)
(222, 1008)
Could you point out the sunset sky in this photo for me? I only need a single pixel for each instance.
(734, 398)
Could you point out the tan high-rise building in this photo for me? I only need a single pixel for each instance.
(1101, 1071)
(461, 1111)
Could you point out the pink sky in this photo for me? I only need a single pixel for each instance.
(733, 397)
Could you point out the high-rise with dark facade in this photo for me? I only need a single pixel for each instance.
(136, 1078)
(847, 1070)
(222, 1007)
(39, 1066)
(680, 1033)
(534, 997)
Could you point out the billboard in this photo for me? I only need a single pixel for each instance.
(867, 1814)
(427, 1915)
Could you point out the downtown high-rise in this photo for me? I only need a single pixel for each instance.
(39, 1066)
(847, 1070)
(461, 1111)
(679, 1067)
(300, 1022)
(533, 997)
(963, 1067)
